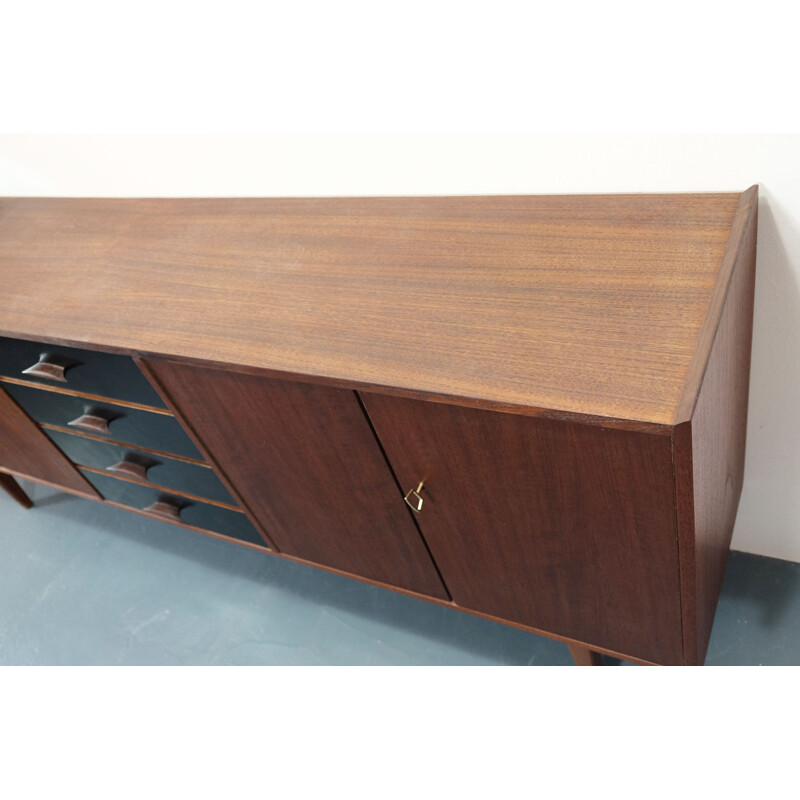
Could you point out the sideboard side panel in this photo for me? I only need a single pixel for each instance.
(716, 459)
(26, 451)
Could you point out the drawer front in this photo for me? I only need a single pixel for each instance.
(129, 425)
(211, 518)
(179, 476)
(104, 374)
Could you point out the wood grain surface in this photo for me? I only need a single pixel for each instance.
(305, 462)
(559, 526)
(741, 241)
(582, 305)
(26, 450)
(710, 450)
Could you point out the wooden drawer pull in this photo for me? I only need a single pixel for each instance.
(164, 510)
(90, 422)
(44, 369)
(129, 468)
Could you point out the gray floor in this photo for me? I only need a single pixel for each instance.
(88, 584)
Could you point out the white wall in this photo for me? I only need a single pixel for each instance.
(769, 515)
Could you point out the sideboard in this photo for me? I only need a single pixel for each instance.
(529, 408)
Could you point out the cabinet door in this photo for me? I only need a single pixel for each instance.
(26, 451)
(304, 459)
(563, 527)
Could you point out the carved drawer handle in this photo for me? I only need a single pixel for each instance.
(165, 510)
(130, 468)
(45, 369)
(414, 498)
(91, 422)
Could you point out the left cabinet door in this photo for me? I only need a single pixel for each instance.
(27, 452)
(305, 461)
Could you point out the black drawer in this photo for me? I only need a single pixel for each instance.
(211, 518)
(180, 476)
(104, 374)
(129, 425)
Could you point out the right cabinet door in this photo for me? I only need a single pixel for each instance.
(563, 527)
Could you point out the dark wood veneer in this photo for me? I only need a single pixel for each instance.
(710, 446)
(558, 526)
(25, 450)
(305, 463)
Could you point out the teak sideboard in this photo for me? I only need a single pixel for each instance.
(532, 409)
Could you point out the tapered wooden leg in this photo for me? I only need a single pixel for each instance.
(13, 488)
(584, 657)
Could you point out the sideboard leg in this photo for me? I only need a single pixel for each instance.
(584, 657)
(13, 488)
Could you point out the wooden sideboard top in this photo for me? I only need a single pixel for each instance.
(591, 305)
